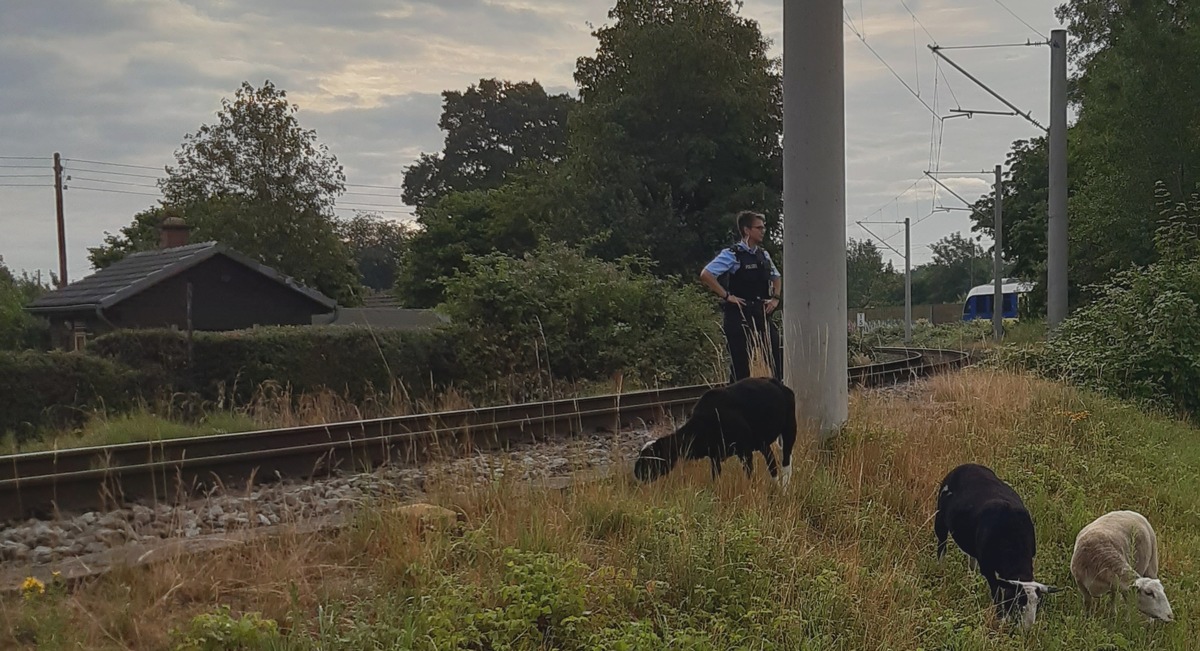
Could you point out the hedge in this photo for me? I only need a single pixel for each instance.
(355, 362)
(57, 389)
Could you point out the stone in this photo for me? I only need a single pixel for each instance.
(42, 554)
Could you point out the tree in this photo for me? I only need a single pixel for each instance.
(678, 128)
(870, 281)
(259, 183)
(461, 225)
(958, 264)
(19, 329)
(378, 246)
(490, 130)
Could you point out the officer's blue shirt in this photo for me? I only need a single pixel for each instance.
(727, 261)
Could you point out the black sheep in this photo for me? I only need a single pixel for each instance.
(991, 525)
(737, 419)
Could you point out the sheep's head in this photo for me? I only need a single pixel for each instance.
(1026, 597)
(1152, 599)
(655, 460)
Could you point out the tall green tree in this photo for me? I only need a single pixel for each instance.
(679, 128)
(870, 281)
(261, 184)
(461, 225)
(378, 246)
(959, 263)
(491, 129)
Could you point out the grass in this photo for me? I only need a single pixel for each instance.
(271, 406)
(137, 426)
(843, 560)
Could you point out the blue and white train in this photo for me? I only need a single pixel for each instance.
(979, 300)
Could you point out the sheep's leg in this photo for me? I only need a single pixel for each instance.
(941, 531)
(772, 464)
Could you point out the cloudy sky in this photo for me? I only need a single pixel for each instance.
(115, 85)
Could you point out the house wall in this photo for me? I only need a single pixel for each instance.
(225, 296)
(63, 329)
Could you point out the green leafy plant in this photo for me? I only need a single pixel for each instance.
(221, 631)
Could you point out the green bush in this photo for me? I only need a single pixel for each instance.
(220, 631)
(555, 310)
(57, 389)
(1140, 338)
(18, 329)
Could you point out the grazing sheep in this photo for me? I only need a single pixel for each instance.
(737, 419)
(991, 525)
(1101, 562)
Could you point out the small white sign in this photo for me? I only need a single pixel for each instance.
(862, 319)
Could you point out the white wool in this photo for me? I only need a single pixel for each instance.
(1117, 553)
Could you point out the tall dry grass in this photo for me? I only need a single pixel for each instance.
(844, 559)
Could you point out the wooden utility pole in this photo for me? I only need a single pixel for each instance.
(62, 229)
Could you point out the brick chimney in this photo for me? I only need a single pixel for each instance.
(172, 232)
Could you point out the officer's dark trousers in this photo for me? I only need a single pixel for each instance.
(748, 327)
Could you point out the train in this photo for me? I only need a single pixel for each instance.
(979, 300)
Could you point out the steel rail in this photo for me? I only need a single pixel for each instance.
(38, 484)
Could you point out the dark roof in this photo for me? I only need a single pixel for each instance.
(383, 318)
(139, 271)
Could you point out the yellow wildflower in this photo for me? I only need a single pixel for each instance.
(32, 585)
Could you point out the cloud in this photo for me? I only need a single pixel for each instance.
(122, 81)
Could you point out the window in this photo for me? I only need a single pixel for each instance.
(78, 338)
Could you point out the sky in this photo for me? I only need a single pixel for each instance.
(115, 85)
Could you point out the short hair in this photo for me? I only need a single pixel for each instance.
(746, 218)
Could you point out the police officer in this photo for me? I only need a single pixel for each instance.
(749, 296)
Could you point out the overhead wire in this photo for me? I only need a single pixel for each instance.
(1014, 15)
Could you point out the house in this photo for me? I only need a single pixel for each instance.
(204, 286)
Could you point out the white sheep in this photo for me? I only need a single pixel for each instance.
(1101, 562)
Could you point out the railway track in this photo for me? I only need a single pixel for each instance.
(41, 484)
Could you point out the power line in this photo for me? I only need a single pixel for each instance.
(24, 158)
(1014, 15)
(892, 70)
(381, 205)
(138, 185)
(97, 162)
(881, 240)
(140, 176)
(371, 194)
(144, 194)
(24, 167)
(947, 80)
(26, 185)
(894, 199)
(918, 21)
(381, 187)
(22, 176)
